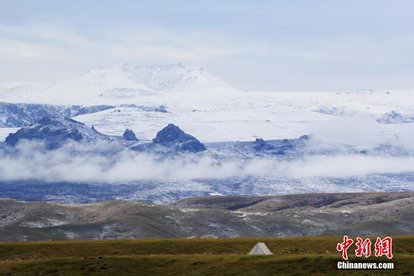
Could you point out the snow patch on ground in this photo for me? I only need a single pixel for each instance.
(44, 224)
(5, 131)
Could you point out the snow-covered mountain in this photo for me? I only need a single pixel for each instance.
(80, 163)
(249, 142)
(55, 132)
(123, 81)
(20, 114)
(147, 98)
(174, 77)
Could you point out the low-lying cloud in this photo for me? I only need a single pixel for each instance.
(359, 130)
(80, 164)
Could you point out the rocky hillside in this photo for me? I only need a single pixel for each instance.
(172, 139)
(20, 114)
(291, 215)
(55, 132)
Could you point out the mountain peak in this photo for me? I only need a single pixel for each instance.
(124, 80)
(170, 77)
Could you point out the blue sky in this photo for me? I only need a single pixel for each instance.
(299, 45)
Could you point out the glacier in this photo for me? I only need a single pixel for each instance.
(241, 142)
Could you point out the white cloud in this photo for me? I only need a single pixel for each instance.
(74, 163)
(360, 130)
(18, 49)
(343, 166)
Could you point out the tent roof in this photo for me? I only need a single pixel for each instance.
(260, 249)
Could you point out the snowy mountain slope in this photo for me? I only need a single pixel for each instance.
(19, 114)
(209, 108)
(174, 77)
(176, 165)
(122, 81)
(359, 141)
(55, 132)
(5, 131)
(245, 116)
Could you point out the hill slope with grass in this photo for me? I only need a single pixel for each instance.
(216, 216)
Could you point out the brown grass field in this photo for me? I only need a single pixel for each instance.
(292, 256)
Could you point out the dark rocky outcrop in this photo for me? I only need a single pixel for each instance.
(54, 132)
(172, 140)
(173, 137)
(261, 145)
(129, 135)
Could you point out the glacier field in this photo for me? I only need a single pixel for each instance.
(196, 136)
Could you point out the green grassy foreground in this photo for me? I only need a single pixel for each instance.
(292, 256)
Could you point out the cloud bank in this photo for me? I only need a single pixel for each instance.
(74, 163)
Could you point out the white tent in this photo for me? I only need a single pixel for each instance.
(260, 249)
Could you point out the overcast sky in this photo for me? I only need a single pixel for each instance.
(283, 45)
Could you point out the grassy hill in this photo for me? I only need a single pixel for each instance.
(292, 256)
(221, 216)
